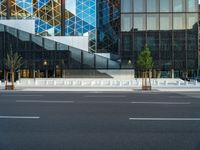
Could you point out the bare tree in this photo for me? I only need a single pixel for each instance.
(13, 62)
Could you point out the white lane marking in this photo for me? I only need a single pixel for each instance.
(19, 117)
(180, 97)
(103, 102)
(163, 103)
(104, 96)
(22, 95)
(80, 102)
(95, 92)
(42, 101)
(165, 119)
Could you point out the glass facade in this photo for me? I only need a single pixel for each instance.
(55, 17)
(168, 27)
(108, 26)
(97, 19)
(79, 15)
(59, 57)
(3, 8)
(118, 27)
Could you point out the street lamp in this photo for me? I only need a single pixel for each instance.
(45, 63)
(129, 62)
(131, 66)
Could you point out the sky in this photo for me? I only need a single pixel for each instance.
(71, 6)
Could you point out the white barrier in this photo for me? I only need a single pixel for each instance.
(106, 82)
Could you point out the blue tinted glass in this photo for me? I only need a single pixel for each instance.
(192, 5)
(139, 5)
(165, 5)
(179, 5)
(152, 6)
(126, 5)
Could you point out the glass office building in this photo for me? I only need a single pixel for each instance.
(99, 19)
(119, 28)
(55, 17)
(168, 27)
(108, 27)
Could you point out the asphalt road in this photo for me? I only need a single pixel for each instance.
(99, 121)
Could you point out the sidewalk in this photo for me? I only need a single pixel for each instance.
(104, 89)
(72, 89)
(109, 86)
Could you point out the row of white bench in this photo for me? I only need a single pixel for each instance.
(103, 83)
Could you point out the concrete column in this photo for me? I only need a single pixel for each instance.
(38, 73)
(198, 73)
(4, 75)
(19, 75)
(133, 73)
(34, 73)
(150, 73)
(63, 73)
(34, 77)
(154, 73)
(172, 73)
(54, 72)
(158, 74)
(46, 73)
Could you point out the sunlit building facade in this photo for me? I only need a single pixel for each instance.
(55, 17)
(114, 29)
(97, 20)
(70, 18)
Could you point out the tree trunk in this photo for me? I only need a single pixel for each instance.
(6, 84)
(13, 78)
(145, 79)
(150, 76)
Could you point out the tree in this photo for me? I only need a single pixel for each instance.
(145, 62)
(13, 62)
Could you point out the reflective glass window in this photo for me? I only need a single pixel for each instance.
(165, 5)
(179, 21)
(126, 5)
(152, 22)
(139, 5)
(192, 19)
(49, 44)
(126, 22)
(165, 44)
(152, 6)
(127, 42)
(192, 41)
(192, 5)
(139, 41)
(139, 22)
(179, 5)
(165, 21)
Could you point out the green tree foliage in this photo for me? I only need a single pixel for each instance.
(145, 60)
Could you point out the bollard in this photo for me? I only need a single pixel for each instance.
(178, 83)
(196, 83)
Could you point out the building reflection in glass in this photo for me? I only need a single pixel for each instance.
(170, 28)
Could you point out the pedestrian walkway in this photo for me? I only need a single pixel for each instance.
(163, 85)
